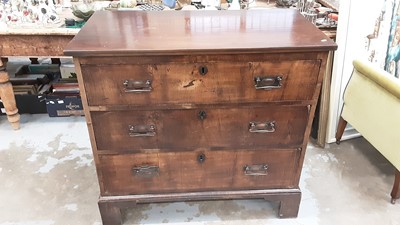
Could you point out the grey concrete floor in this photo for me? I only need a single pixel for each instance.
(47, 176)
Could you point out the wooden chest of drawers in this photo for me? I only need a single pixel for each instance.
(199, 105)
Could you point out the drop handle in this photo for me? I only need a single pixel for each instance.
(262, 127)
(142, 130)
(147, 171)
(137, 86)
(268, 82)
(256, 170)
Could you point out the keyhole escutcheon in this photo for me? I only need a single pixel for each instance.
(202, 114)
(201, 158)
(203, 70)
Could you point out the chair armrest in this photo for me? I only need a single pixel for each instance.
(379, 76)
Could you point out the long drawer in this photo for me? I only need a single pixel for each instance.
(223, 82)
(197, 171)
(212, 128)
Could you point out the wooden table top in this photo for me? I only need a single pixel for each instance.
(191, 32)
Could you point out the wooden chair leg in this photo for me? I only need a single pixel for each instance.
(396, 187)
(340, 129)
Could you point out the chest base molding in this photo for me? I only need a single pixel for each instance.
(110, 206)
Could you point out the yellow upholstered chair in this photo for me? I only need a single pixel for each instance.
(372, 107)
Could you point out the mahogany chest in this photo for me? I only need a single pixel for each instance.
(199, 105)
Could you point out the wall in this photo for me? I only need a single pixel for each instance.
(363, 32)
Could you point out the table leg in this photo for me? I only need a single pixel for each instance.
(7, 96)
(34, 60)
(56, 61)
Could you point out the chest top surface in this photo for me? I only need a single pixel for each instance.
(197, 32)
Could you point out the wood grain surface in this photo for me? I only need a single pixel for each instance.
(181, 172)
(33, 45)
(202, 67)
(184, 130)
(224, 82)
(192, 32)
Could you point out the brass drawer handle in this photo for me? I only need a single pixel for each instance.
(255, 170)
(146, 171)
(142, 130)
(267, 83)
(259, 127)
(137, 86)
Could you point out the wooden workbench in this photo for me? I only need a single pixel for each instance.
(29, 43)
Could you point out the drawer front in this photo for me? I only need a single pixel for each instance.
(197, 171)
(216, 129)
(224, 82)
